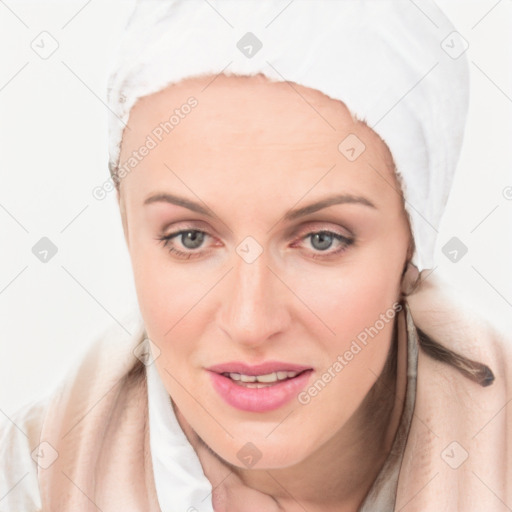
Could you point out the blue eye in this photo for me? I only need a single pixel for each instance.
(193, 239)
(323, 240)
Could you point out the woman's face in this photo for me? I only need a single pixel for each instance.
(241, 258)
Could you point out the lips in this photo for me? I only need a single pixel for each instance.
(258, 388)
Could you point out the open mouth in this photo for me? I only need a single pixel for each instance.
(259, 387)
(259, 390)
(262, 381)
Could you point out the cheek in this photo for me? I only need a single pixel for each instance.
(360, 308)
(358, 304)
(351, 298)
(170, 297)
(160, 288)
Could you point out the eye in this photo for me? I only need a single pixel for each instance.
(190, 239)
(323, 240)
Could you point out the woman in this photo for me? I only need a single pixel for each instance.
(280, 190)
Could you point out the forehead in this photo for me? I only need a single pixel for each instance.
(288, 111)
(252, 127)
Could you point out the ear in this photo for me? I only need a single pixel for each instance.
(122, 211)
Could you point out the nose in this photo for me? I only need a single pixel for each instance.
(253, 305)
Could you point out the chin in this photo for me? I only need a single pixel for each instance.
(260, 452)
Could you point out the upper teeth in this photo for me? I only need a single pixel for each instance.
(268, 377)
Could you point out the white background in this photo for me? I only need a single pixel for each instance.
(53, 152)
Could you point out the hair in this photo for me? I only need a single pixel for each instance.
(473, 370)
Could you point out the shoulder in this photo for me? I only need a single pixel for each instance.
(98, 379)
(19, 449)
(461, 432)
(447, 398)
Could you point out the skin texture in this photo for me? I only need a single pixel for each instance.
(250, 151)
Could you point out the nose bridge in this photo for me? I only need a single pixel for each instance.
(253, 309)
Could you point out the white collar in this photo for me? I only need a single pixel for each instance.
(179, 479)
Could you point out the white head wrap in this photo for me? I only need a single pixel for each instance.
(396, 64)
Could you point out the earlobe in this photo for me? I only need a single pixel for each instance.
(410, 279)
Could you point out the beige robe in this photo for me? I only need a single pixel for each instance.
(458, 455)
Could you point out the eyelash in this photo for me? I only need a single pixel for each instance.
(165, 240)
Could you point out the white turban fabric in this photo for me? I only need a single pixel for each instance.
(397, 64)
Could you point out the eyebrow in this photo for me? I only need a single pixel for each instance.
(178, 201)
(328, 201)
(290, 215)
